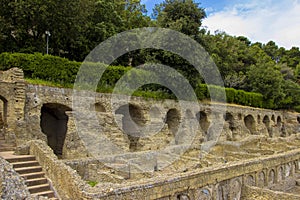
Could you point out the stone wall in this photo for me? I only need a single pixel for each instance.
(12, 100)
(255, 193)
(218, 182)
(97, 113)
(65, 180)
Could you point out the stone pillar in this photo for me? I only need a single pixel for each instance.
(73, 147)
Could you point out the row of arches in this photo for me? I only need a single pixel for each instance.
(270, 124)
(173, 118)
(232, 188)
(269, 178)
(54, 121)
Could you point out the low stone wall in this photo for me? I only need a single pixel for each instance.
(226, 178)
(255, 193)
(12, 186)
(65, 180)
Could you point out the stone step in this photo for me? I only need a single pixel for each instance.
(10, 148)
(27, 170)
(25, 164)
(39, 188)
(20, 158)
(7, 144)
(48, 193)
(33, 175)
(36, 181)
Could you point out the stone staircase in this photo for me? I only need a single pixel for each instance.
(28, 168)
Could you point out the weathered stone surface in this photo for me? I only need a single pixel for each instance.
(12, 185)
(97, 141)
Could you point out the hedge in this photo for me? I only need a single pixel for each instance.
(63, 71)
(232, 95)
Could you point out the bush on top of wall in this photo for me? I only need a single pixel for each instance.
(64, 72)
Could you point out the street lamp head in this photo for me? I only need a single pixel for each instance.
(48, 33)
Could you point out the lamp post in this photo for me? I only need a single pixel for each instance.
(47, 35)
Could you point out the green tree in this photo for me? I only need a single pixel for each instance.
(264, 78)
(181, 15)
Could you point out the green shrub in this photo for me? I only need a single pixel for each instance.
(61, 72)
(232, 95)
(297, 108)
(202, 92)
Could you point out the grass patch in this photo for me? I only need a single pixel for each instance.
(92, 183)
(47, 83)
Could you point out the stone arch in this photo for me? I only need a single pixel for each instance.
(298, 119)
(54, 124)
(183, 196)
(271, 178)
(261, 180)
(288, 170)
(250, 180)
(258, 119)
(266, 122)
(230, 120)
(203, 120)
(3, 112)
(203, 194)
(173, 120)
(240, 116)
(99, 107)
(222, 190)
(280, 175)
(250, 123)
(273, 118)
(235, 189)
(132, 119)
(279, 121)
(294, 169)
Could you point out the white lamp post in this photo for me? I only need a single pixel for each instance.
(48, 35)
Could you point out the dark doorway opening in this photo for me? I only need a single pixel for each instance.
(3, 113)
(54, 124)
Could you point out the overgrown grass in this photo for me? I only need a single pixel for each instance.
(92, 183)
(47, 83)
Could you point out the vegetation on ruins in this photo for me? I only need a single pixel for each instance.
(256, 74)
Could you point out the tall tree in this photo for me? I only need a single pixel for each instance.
(181, 15)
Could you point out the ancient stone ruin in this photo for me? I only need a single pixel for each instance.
(139, 148)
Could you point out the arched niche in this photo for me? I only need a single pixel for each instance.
(266, 122)
(273, 118)
(261, 179)
(173, 120)
(98, 107)
(54, 125)
(132, 120)
(250, 124)
(230, 120)
(279, 121)
(3, 112)
(250, 180)
(203, 120)
(271, 178)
